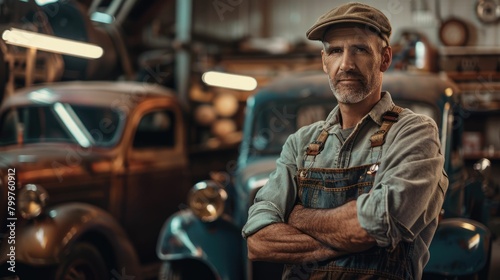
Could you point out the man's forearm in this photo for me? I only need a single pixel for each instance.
(338, 227)
(283, 243)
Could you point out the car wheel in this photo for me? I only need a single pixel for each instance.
(84, 262)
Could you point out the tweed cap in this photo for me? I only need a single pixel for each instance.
(352, 12)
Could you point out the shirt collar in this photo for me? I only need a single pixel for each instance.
(383, 105)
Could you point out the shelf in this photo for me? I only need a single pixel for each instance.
(481, 77)
(495, 155)
(470, 50)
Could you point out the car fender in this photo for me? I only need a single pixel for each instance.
(459, 247)
(47, 239)
(215, 244)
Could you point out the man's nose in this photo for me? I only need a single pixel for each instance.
(347, 63)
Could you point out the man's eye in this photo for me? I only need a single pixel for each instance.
(360, 50)
(336, 50)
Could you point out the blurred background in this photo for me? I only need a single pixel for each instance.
(173, 43)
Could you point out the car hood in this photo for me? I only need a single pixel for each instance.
(255, 170)
(36, 161)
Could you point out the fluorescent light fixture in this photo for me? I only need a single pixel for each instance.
(102, 17)
(28, 39)
(232, 81)
(72, 126)
(44, 2)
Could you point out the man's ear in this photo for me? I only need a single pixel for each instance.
(386, 59)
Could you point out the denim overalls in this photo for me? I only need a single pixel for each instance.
(332, 187)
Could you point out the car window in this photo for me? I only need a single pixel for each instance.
(8, 132)
(102, 123)
(45, 123)
(421, 108)
(32, 124)
(275, 122)
(156, 130)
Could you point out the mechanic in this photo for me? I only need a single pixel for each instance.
(356, 196)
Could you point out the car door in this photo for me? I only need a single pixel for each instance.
(156, 177)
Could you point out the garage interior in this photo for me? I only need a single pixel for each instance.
(173, 43)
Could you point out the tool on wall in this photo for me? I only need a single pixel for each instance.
(488, 11)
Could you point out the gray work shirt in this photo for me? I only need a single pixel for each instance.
(409, 187)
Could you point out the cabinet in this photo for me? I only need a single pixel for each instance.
(480, 115)
(481, 118)
(476, 71)
(481, 136)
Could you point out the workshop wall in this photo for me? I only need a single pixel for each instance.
(289, 19)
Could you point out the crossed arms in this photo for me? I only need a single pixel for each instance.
(403, 204)
(334, 232)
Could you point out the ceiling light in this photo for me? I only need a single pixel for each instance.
(44, 2)
(49, 43)
(232, 81)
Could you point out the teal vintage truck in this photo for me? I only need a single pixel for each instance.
(204, 241)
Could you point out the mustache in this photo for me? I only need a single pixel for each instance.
(349, 75)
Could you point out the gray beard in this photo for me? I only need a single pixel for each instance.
(350, 94)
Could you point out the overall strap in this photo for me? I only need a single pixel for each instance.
(377, 139)
(317, 146)
(388, 119)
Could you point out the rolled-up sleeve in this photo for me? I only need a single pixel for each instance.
(409, 187)
(274, 201)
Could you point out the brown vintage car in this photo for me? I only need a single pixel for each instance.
(88, 172)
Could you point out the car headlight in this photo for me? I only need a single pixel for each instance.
(32, 201)
(206, 199)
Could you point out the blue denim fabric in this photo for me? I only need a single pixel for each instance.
(330, 188)
(408, 189)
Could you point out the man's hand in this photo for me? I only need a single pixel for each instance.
(283, 243)
(338, 227)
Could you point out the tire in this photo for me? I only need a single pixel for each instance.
(84, 262)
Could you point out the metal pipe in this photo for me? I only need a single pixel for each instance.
(183, 18)
(30, 66)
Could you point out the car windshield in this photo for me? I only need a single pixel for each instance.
(275, 122)
(421, 108)
(58, 122)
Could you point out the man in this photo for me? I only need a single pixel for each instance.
(356, 196)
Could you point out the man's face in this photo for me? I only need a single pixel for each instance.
(354, 60)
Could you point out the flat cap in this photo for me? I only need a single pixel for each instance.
(352, 12)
